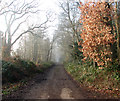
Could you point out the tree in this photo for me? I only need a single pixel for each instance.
(68, 28)
(71, 12)
(50, 50)
(117, 24)
(97, 32)
(64, 41)
(1, 43)
(16, 13)
(36, 47)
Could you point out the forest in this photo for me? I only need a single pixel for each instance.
(80, 39)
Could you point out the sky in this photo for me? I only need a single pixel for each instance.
(51, 5)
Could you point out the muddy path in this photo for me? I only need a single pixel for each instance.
(54, 83)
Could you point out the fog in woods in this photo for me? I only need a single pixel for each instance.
(39, 30)
(56, 42)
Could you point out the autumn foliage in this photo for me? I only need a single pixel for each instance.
(97, 32)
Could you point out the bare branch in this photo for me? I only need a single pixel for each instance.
(29, 30)
(19, 37)
(6, 7)
(18, 26)
(61, 5)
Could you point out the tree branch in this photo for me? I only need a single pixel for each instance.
(18, 27)
(29, 30)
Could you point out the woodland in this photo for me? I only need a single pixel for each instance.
(86, 40)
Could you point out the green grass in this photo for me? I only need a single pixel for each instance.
(47, 64)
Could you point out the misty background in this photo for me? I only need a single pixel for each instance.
(39, 30)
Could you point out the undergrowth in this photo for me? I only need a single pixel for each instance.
(106, 80)
(15, 72)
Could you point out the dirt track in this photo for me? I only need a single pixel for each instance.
(56, 85)
(53, 84)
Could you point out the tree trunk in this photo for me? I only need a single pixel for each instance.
(35, 50)
(48, 55)
(118, 33)
(6, 52)
(6, 48)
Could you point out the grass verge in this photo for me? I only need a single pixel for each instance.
(101, 80)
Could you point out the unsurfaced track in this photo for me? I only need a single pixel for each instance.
(54, 84)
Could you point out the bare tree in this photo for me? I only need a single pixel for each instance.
(71, 12)
(34, 48)
(68, 28)
(16, 13)
(50, 50)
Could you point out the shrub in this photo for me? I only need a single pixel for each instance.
(27, 67)
(17, 69)
(47, 64)
(10, 73)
